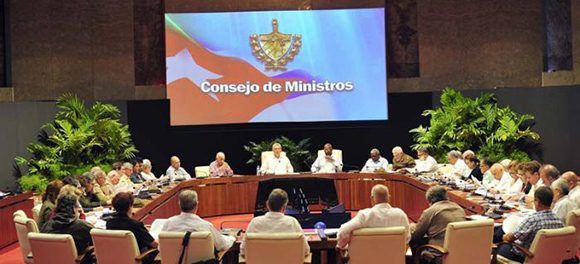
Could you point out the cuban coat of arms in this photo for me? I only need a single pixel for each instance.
(275, 49)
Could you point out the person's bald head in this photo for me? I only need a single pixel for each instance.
(375, 154)
(380, 194)
(497, 171)
(549, 173)
(175, 162)
(571, 178)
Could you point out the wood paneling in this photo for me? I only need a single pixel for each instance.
(8, 206)
(237, 195)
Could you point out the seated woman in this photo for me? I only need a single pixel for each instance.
(123, 204)
(88, 198)
(66, 221)
(474, 171)
(48, 201)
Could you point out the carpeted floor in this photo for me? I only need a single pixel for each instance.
(12, 255)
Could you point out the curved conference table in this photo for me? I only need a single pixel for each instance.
(237, 194)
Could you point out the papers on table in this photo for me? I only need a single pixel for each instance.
(94, 218)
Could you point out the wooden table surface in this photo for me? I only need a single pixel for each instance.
(237, 194)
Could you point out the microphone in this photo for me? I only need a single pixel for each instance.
(320, 227)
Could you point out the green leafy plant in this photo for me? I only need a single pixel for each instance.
(79, 138)
(478, 124)
(297, 152)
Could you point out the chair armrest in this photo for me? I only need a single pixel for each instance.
(495, 249)
(85, 254)
(151, 253)
(417, 252)
(343, 256)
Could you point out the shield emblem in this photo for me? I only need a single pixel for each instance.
(275, 49)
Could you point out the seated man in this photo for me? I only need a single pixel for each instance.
(119, 183)
(175, 171)
(102, 188)
(454, 158)
(501, 179)
(562, 203)
(189, 221)
(549, 173)
(525, 232)
(88, 198)
(277, 164)
(402, 160)
(531, 170)
(327, 163)
(146, 173)
(219, 167)
(274, 221)
(121, 220)
(376, 163)
(572, 180)
(430, 229)
(426, 163)
(380, 215)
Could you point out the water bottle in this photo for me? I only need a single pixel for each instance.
(258, 170)
(320, 227)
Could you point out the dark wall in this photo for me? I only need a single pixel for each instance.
(21, 123)
(196, 146)
(556, 115)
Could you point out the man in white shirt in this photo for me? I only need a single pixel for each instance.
(376, 163)
(501, 179)
(189, 221)
(459, 166)
(549, 173)
(146, 173)
(531, 170)
(327, 163)
(274, 221)
(380, 215)
(562, 203)
(175, 171)
(277, 164)
(425, 163)
(572, 180)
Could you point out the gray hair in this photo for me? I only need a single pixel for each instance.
(187, 200)
(376, 151)
(220, 154)
(436, 194)
(561, 185)
(397, 149)
(100, 173)
(127, 165)
(147, 163)
(455, 153)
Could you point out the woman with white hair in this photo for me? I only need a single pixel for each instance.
(146, 173)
